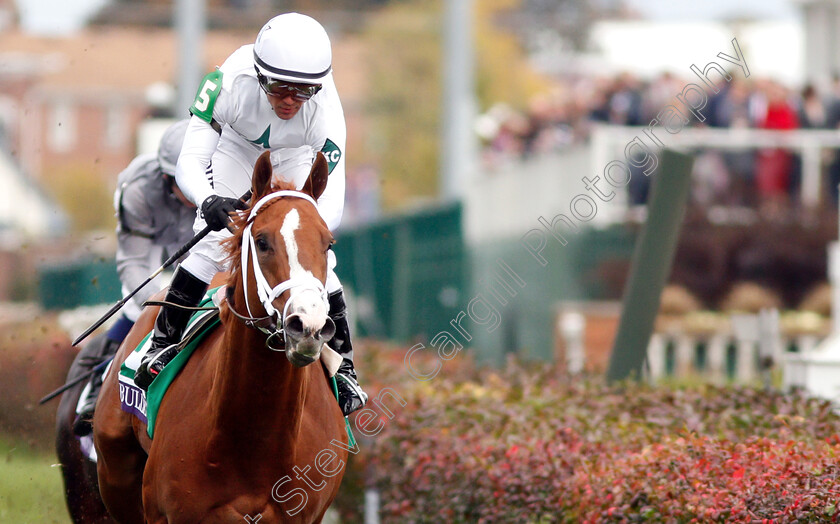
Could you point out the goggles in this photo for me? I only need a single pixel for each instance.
(300, 92)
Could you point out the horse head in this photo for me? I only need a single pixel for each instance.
(280, 268)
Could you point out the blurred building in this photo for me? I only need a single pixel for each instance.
(821, 20)
(74, 104)
(72, 112)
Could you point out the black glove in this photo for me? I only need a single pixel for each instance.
(216, 210)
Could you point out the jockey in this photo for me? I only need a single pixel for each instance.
(277, 94)
(154, 220)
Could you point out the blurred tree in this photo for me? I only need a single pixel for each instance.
(552, 31)
(567, 20)
(404, 104)
(404, 48)
(503, 73)
(86, 199)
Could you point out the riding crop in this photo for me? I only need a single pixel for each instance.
(169, 261)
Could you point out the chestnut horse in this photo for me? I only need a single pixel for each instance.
(241, 422)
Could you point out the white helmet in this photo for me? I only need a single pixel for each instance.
(293, 47)
(170, 146)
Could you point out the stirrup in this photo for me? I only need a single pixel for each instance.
(153, 364)
(83, 425)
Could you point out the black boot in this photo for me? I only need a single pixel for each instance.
(350, 394)
(83, 424)
(185, 290)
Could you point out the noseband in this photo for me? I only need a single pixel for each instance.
(272, 323)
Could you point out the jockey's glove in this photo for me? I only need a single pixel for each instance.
(216, 210)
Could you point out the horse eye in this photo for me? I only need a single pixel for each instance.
(262, 243)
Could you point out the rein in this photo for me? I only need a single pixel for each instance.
(272, 323)
(178, 306)
(266, 324)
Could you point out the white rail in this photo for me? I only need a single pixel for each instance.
(740, 348)
(747, 362)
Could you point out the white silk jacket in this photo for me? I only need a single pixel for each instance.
(233, 124)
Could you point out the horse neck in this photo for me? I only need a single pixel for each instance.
(255, 390)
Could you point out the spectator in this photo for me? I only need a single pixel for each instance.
(625, 102)
(568, 114)
(732, 109)
(774, 166)
(813, 113)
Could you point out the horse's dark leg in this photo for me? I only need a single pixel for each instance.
(81, 491)
(121, 458)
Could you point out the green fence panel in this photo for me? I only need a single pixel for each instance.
(406, 272)
(576, 271)
(67, 285)
(412, 274)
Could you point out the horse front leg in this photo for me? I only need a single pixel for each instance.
(120, 457)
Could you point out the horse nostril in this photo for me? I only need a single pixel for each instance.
(328, 331)
(294, 326)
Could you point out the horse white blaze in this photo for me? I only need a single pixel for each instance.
(290, 224)
(306, 303)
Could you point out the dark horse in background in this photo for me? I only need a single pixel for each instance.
(81, 489)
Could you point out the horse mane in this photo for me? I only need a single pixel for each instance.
(233, 245)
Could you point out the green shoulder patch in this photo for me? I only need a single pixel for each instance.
(332, 152)
(205, 99)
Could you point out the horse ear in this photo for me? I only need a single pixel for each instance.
(317, 181)
(262, 176)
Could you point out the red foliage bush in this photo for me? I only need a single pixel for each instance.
(34, 359)
(525, 445)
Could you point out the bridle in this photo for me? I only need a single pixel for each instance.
(272, 323)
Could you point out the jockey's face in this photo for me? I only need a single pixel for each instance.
(285, 106)
(285, 97)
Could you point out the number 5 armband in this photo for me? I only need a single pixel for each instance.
(205, 99)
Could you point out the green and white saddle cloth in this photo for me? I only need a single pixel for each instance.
(143, 404)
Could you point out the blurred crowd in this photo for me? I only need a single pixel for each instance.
(565, 116)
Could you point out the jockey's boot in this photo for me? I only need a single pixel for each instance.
(83, 424)
(350, 394)
(185, 290)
